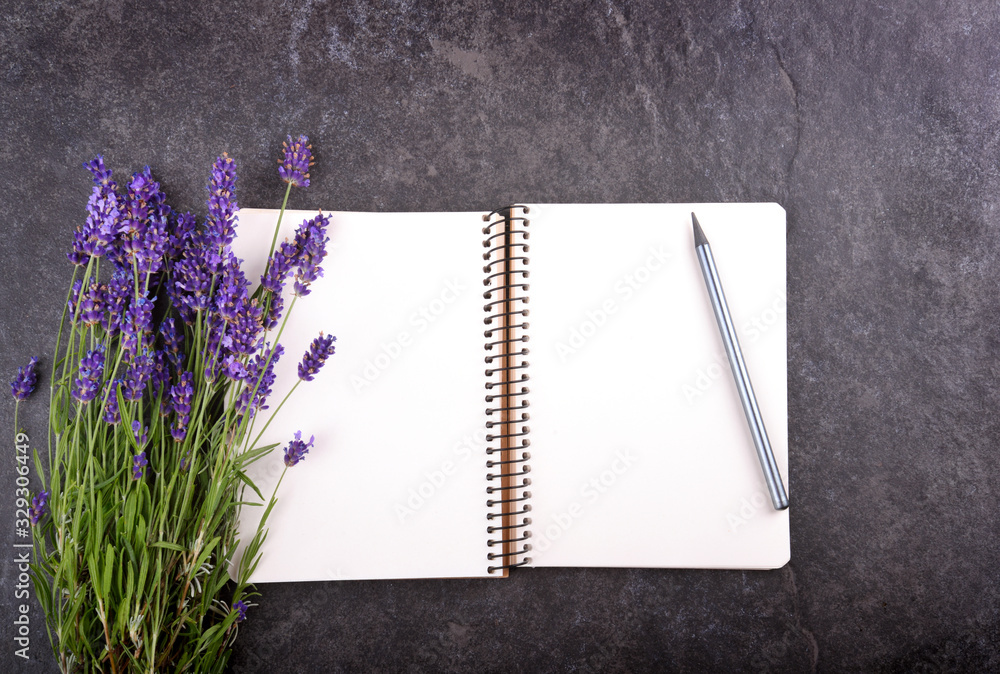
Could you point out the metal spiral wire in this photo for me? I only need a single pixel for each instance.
(508, 498)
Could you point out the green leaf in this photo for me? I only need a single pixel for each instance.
(109, 568)
(249, 456)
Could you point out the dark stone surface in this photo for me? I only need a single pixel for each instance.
(875, 126)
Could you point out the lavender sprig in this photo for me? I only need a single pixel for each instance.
(320, 349)
(222, 207)
(163, 330)
(139, 462)
(24, 382)
(91, 369)
(294, 168)
(39, 507)
(112, 415)
(310, 239)
(297, 449)
(180, 401)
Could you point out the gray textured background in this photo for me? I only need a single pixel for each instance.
(877, 129)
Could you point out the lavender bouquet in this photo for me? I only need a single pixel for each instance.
(163, 365)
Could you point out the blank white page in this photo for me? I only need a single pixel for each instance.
(640, 451)
(396, 484)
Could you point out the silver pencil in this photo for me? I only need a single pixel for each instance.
(767, 463)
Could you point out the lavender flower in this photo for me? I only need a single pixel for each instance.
(172, 340)
(135, 217)
(112, 415)
(181, 234)
(39, 507)
(102, 222)
(102, 216)
(78, 255)
(180, 400)
(311, 240)
(101, 175)
(91, 370)
(233, 290)
(192, 282)
(160, 373)
(93, 239)
(297, 449)
(154, 247)
(240, 607)
(222, 207)
(24, 382)
(298, 159)
(137, 324)
(260, 379)
(234, 368)
(274, 309)
(245, 334)
(279, 266)
(139, 462)
(90, 310)
(140, 434)
(116, 300)
(321, 349)
(74, 298)
(138, 374)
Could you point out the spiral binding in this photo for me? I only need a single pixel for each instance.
(508, 498)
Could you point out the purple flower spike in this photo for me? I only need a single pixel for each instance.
(104, 211)
(245, 334)
(321, 349)
(88, 383)
(91, 308)
(311, 241)
(139, 462)
(172, 340)
(138, 322)
(256, 373)
(39, 507)
(192, 282)
(138, 375)
(112, 415)
(102, 175)
(141, 434)
(233, 290)
(279, 266)
(297, 449)
(74, 298)
(222, 206)
(181, 233)
(116, 298)
(298, 158)
(240, 607)
(180, 400)
(24, 382)
(78, 255)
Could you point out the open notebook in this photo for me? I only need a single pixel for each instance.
(451, 331)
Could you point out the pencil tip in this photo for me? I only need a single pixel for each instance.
(699, 236)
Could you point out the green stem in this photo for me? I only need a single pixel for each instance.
(273, 415)
(277, 227)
